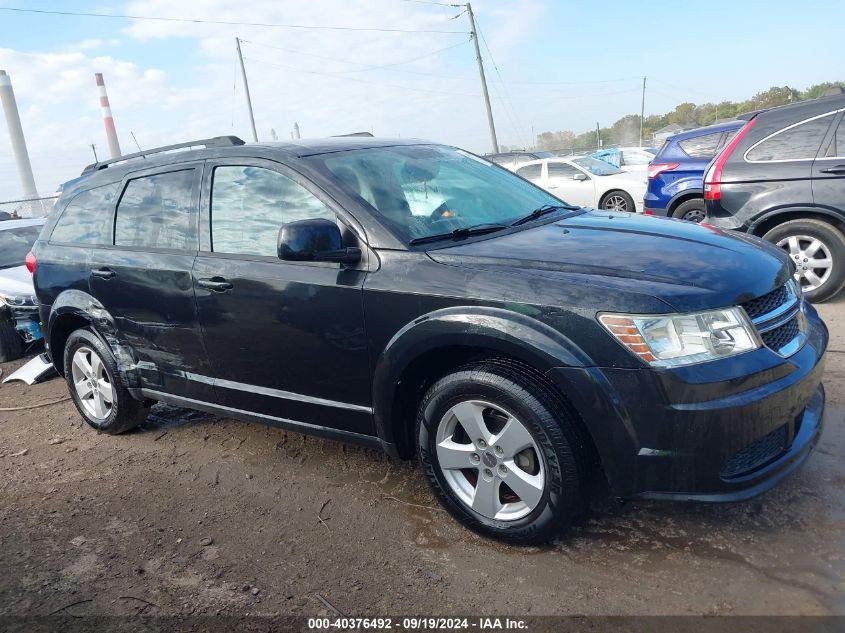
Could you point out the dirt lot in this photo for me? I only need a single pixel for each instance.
(197, 515)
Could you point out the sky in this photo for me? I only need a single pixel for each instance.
(551, 65)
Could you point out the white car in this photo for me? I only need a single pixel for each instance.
(587, 182)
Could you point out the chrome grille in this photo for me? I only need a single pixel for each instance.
(779, 337)
(778, 318)
(761, 306)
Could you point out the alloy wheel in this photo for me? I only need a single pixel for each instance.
(490, 460)
(616, 203)
(92, 382)
(812, 259)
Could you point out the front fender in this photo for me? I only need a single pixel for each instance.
(510, 333)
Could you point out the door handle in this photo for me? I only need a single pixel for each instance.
(216, 284)
(103, 273)
(838, 169)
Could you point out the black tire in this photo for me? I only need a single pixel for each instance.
(690, 210)
(552, 424)
(125, 412)
(833, 241)
(609, 196)
(11, 343)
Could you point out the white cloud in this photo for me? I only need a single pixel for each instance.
(163, 104)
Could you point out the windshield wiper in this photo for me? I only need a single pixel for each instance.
(466, 231)
(544, 210)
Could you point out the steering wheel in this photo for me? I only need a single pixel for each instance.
(439, 212)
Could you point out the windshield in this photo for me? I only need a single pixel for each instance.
(15, 244)
(596, 167)
(425, 190)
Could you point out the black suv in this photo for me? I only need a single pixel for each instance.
(783, 177)
(418, 298)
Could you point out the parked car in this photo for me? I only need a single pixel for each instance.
(512, 160)
(676, 175)
(628, 159)
(418, 298)
(587, 182)
(782, 177)
(18, 307)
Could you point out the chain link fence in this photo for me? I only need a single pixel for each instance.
(31, 208)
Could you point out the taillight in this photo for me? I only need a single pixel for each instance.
(655, 169)
(713, 177)
(30, 262)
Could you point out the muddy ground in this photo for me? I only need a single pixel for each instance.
(197, 515)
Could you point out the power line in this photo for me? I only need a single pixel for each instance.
(224, 22)
(363, 81)
(367, 66)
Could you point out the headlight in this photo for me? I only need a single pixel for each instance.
(19, 301)
(671, 340)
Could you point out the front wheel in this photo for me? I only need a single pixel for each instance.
(818, 251)
(618, 201)
(502, 453)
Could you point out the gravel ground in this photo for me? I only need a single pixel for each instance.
(198, 515)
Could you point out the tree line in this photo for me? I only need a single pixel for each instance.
(626, 131)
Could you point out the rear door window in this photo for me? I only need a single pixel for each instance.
(701, 146)
(158, 212)
(87, 218)
(796, 142)
(530, 172)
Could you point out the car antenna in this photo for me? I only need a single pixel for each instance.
(136, 141)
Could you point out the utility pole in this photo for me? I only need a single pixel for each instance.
(483, 79)
(642, 114)
(246, 90)
(598, 137)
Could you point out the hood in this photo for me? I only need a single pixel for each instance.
(16, 281)
(688, 266)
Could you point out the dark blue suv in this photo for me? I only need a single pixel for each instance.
(676, 175)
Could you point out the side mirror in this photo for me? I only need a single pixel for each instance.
(316, 240)
(580, 176)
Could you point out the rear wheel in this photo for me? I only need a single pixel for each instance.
(94, 382)
(618, 201)
(690, 210)
(11, 344)
(502, 453)
(818, 251)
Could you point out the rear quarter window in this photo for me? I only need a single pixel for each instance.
(795, 142)
(701, 146)
(87, 218)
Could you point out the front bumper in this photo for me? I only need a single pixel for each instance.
(721, 431)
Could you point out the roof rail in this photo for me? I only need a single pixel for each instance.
(217, 141)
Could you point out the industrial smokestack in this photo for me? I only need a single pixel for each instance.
(296, 130)
(108, 121)
(13, 121)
